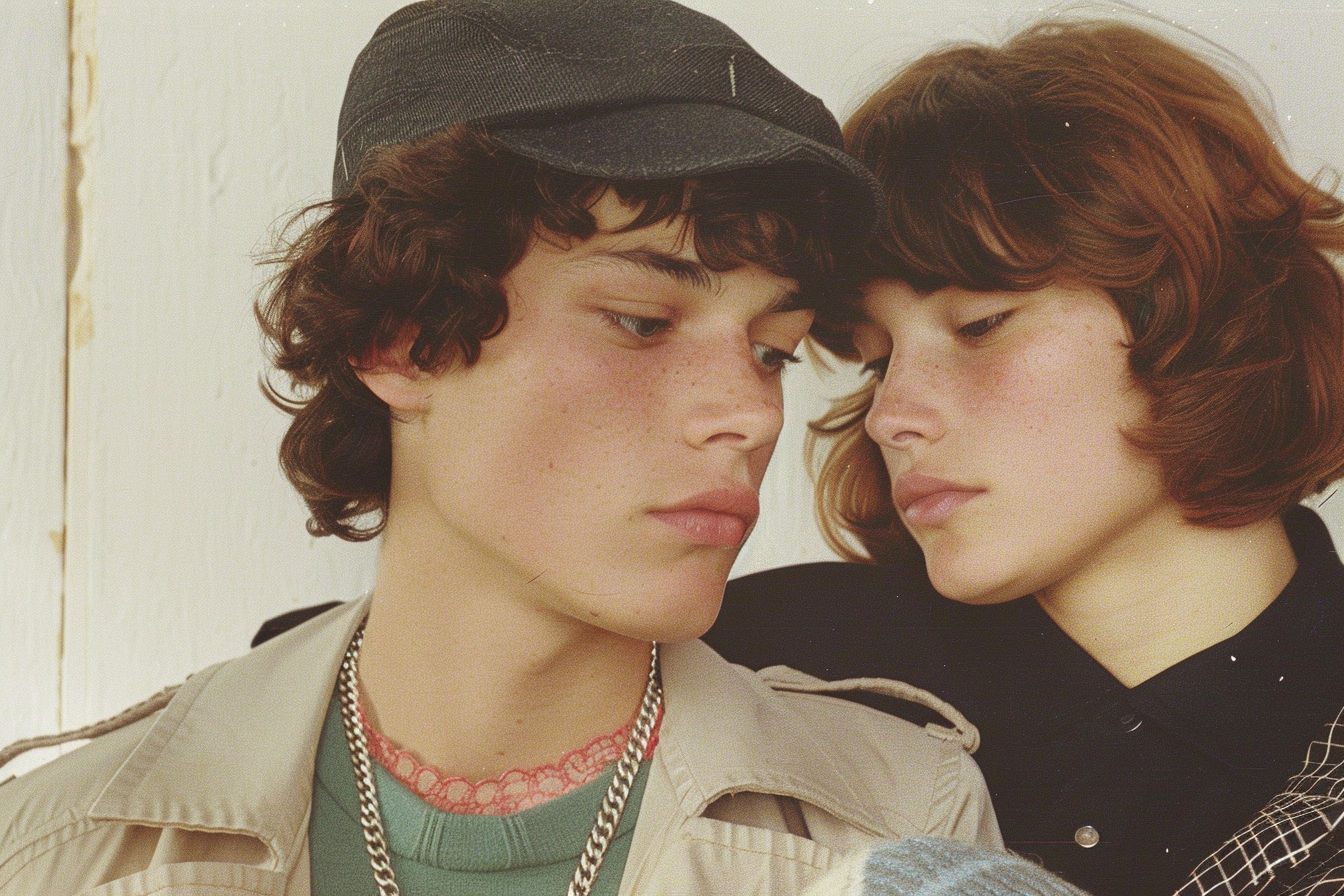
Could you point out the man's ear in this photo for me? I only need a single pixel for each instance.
(392, 376)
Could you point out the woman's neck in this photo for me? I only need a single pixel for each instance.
(1169, 590)
(474, 678)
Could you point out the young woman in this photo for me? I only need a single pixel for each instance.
(1105, 335)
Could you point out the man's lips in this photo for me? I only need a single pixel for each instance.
(719, 517)
(928, 500)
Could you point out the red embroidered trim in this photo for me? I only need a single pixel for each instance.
(513, 791)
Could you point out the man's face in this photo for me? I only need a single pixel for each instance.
(600, 461)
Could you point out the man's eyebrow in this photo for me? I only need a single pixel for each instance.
(683, 270)
(695, 274)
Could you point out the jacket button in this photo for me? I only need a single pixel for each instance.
(1086, 836)
(1130, 722)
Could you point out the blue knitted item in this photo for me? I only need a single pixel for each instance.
(931, 866)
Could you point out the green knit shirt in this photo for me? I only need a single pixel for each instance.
(529, 853)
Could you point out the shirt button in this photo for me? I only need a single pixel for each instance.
(1086, 836)
(1130, 722)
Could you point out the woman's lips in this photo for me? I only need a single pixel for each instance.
(934, 509)
(718, 518)
(928, 500)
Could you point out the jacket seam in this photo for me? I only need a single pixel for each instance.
(761, 852)
(61, 835)
(168, 888)
(946, 785)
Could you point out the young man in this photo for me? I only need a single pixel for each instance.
(535, 339)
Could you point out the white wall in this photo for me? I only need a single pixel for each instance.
(194, 127)
(33, 80)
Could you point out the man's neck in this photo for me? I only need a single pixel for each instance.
(463, 669)
(1177, 590)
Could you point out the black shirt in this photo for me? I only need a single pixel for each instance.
(1121, 790)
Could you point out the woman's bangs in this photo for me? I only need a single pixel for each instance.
(957, 232)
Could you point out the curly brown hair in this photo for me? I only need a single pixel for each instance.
(419, 245)
(1099, 152)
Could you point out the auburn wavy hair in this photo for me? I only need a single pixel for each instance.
(420, 244)
(1099, 152)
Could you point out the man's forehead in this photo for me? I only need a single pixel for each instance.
(663, 249)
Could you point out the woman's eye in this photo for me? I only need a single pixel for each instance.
(878, 367)
(773, 358)
(643, 327)
(984, 326)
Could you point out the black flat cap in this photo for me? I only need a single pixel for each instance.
(620, 89)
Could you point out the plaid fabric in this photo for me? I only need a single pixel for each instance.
(1295, 845)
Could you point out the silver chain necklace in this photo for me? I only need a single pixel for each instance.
(608, 817)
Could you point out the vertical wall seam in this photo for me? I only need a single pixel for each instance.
(78, 311)
(72, 225)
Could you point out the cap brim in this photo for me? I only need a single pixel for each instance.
(675, 140)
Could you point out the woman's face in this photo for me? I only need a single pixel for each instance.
(1001, 418)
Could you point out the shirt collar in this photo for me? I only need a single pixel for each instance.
(1269, 687)
(1237, 711)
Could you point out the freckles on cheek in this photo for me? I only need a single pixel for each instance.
(592, 411)
(1067, 406)
(630, 389)
(1048, 383)
(1011, 388)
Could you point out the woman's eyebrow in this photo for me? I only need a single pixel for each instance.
(792, 300)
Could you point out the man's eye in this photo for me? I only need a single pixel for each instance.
(773, 358)
(878, 367)
(984, 326)
(643, 327)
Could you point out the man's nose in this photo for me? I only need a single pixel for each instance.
(734, 402)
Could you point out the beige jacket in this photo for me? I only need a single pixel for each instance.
(751, 790)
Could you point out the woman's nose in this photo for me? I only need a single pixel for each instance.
(904, 410)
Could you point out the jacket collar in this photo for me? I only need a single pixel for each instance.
(234, 749)
(726, 731)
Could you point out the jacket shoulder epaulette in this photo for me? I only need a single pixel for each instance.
(959, 729)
